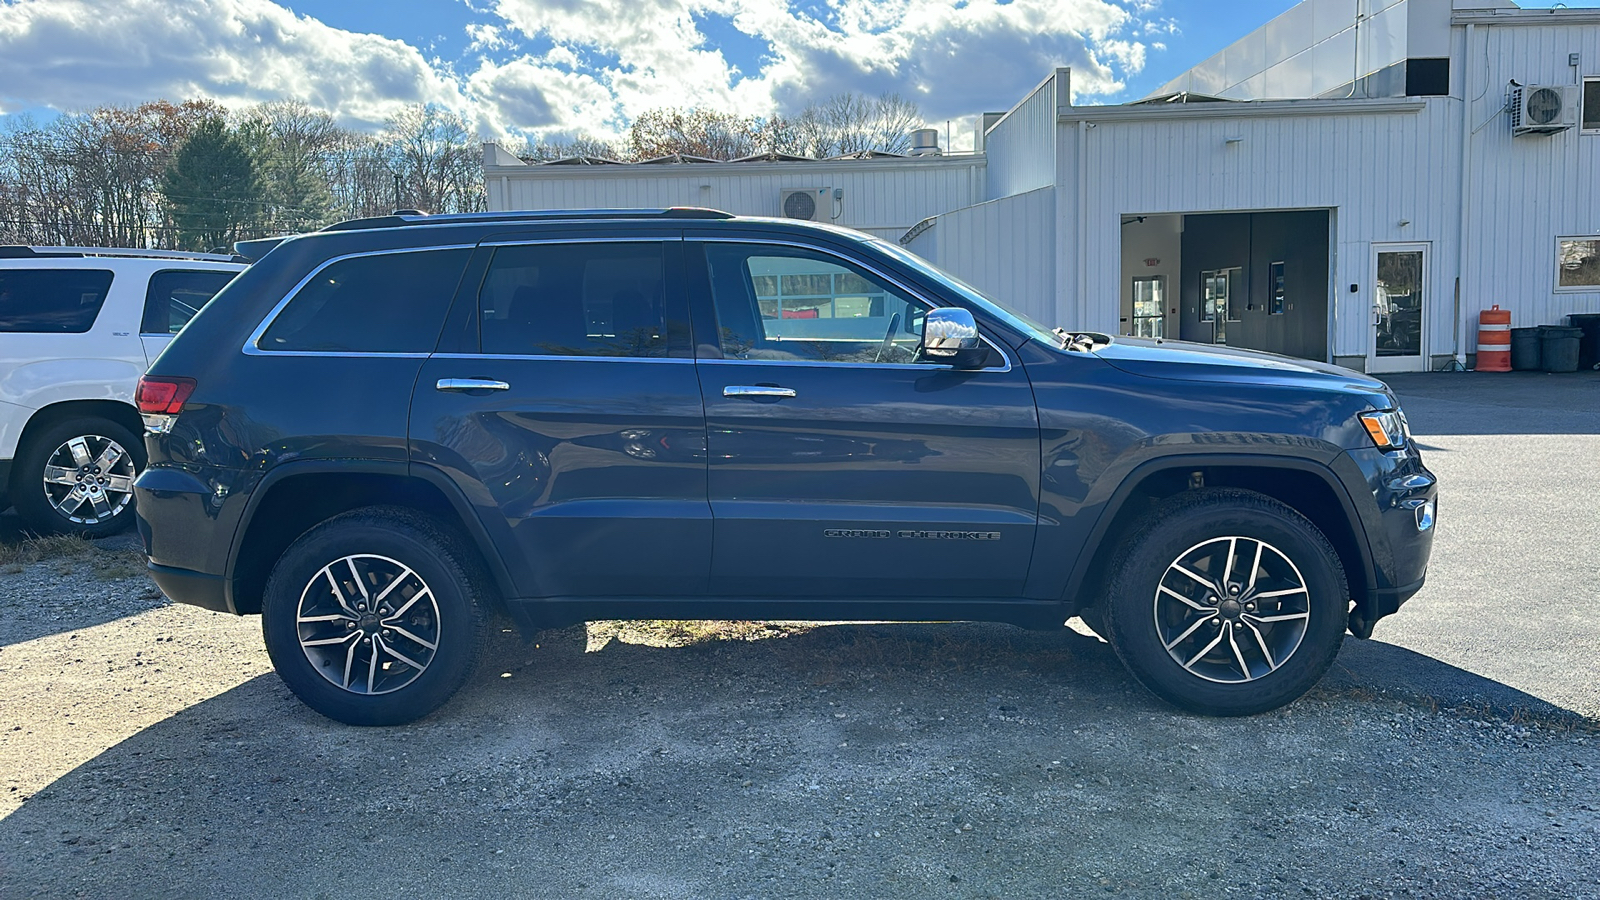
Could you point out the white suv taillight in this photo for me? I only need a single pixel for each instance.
(160, 399)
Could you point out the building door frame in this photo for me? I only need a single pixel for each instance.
(1382, 322)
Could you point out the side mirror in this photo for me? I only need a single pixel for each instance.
(950, 335)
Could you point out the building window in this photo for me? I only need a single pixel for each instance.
(1218, 288)
(1577, 264)
(1150, 306)
(1591, 105)
(1275, 281)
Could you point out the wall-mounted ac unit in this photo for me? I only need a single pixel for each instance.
(810, 204)
(1543, 109)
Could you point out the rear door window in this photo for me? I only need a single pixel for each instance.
(174, 297)
(378, 303)
(576, 299)
(51, 301)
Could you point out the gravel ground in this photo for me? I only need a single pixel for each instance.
(146, 749)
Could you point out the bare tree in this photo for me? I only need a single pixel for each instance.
(292, 146)
(545, 149)
(852, 123)
(437, 158)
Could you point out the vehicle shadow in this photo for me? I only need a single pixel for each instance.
(90, 584)
(862, 760)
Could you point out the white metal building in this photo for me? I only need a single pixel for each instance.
(1373, 174)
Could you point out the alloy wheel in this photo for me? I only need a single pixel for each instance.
(368, 624)
(89, 479)
(1232, 609)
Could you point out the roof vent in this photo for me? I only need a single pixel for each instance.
(925, 142)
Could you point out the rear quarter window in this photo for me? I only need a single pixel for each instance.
(381, 303)
(51, 301)
(174, 297)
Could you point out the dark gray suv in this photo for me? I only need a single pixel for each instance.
(384, 433)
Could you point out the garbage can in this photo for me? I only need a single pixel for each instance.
(1558, 347)
(1589, 344)
(1525, 355)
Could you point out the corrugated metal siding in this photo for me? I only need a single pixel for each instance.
(1005, 248)
(1526, 191)
(1373, 170)
(1021, 147)
(881, 198)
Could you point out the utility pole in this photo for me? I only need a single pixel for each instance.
(397, 204)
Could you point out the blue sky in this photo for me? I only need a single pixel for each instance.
(561, 67)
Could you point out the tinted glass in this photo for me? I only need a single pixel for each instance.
(174, 297)
(588, 299)
(387, 303)
(1591, 104)
(775, 303)
(51, 301)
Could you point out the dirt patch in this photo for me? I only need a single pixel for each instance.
(153, 752)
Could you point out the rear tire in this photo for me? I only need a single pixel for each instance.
(76, 477)
(405, 629)
(1227, 638)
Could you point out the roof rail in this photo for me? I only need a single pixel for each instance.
(403, 219)
(18, 251)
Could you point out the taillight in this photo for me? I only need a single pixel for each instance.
(159, 395)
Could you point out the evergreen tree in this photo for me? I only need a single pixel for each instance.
(212, 188)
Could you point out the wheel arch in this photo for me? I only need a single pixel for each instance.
(293, 498)
(1306, 486)
(124, 414)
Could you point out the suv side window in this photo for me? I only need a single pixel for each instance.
(575, 299)
(783, 303)
(51, 301)
(376, 303)
(173, 298)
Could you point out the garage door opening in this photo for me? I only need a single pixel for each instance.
(1253, 280)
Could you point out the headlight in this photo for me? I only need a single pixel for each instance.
(1387, 428)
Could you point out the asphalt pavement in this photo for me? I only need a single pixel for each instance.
(1510, 615)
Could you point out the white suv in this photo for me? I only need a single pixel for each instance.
(78, 326)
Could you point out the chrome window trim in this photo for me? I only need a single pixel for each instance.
(910, 292)
(252, 346)
(549, 358)
(636, 239)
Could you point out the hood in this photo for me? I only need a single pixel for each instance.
(1183, 361)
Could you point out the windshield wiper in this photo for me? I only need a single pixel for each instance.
(1081, 342)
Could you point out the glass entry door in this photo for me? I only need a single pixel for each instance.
(1399, 293)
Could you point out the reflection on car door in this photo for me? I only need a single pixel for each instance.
(837, 464)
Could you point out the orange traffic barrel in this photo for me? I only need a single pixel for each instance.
(1494, 340)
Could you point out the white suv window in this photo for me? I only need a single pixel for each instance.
(174, 297)
(51, 301)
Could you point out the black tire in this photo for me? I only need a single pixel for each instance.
(1143, 614)
(44, 506)
(453, 612)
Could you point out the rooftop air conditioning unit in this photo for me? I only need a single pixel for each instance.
(809, 204)
(1545, 109)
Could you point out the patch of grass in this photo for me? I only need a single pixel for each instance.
(687, 632)
(68, 554)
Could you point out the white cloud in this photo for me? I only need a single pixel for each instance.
(600, 63)
(72, 54)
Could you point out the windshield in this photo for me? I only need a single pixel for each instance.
(971, 294)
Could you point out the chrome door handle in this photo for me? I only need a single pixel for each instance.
(471, 384)
(756, 390)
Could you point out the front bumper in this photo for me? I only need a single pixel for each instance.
(1398, 503)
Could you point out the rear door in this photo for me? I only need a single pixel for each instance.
(839, 465)
(563, 401)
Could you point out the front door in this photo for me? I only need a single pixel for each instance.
(840, 466)
(1399, 301)
(569, 413)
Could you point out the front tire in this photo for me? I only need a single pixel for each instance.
(76, 477)
(1227, 602)
(376, 616)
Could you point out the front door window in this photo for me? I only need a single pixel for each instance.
(1397, 304)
